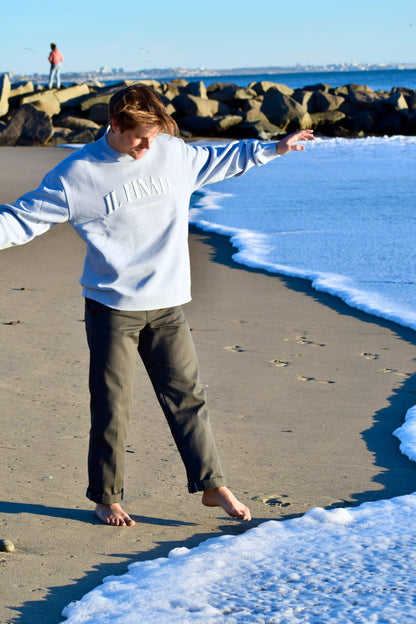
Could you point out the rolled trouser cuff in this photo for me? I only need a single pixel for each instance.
(105, 499)
(206, 484)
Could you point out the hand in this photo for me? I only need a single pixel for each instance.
(290, 143)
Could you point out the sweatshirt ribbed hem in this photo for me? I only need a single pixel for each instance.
(117, 302)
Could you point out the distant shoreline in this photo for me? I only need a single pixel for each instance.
(201, 72)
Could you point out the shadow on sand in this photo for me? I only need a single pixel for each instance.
(48, 609)
(396, 473)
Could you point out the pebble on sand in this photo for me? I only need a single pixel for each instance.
(6, 545)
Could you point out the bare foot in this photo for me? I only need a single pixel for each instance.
(113, 514)
(222, 497)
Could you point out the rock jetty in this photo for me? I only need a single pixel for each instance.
(32, 115)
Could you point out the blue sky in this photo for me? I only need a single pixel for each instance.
(215, 34)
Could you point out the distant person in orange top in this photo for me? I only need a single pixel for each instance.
(55, 59)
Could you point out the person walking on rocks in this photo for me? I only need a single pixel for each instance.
(127, 196)
(55, 60)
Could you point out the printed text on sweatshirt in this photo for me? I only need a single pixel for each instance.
(132, 214)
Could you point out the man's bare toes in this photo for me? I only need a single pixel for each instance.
(244, 513)
(113, 515)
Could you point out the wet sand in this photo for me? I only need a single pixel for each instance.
(304, 394)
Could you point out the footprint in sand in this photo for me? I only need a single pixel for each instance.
(279, 363)
(393, 371)
(235, 348)
(324, 381)
(304, 340)
(369, 356)
(273, 501)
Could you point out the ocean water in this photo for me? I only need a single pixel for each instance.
(343, 215)
(379, 79)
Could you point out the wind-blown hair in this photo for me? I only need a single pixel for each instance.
(139, 105)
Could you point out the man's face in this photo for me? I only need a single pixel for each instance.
(133, 142)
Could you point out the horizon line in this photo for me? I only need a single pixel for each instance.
(182, 71)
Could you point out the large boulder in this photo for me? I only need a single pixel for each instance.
(28, 126)
(220, 125)
(411, 123)
(264, 85)
(170, 90)
(232, 95)
(361, 124)
(329, 123)
(4, 94)
(21, 88)
(101, 96)
(255, 116)
(341, 90)
(187, 105)
(325, 101)
(262, 129)
(322, 87)
(349, 109)
(362, 96)
(397, 101)
(253, 123)
(75, 123)
(180, 82)
(408, 93)
(284, 112)
(153, 84)
(197, 88)
(71, 94)
(225, 122)
(45, 101)
(87, 102)
(305, 99)
(83, 135)
(412, 102)
(390, 123)
(198, 125)
(98, 113)
(60, 136)
(170, 109)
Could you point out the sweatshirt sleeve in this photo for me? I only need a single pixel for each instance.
(214, 163)
(34, 213)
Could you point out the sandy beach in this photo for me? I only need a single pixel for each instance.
(304, 394)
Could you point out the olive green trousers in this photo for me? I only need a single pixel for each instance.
(163, 340)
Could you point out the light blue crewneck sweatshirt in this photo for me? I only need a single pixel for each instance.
(132, 214)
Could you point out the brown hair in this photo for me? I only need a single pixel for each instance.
(139, 105)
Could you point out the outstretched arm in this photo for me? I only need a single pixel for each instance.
(34, 213)
(290, 143)
(212, 163)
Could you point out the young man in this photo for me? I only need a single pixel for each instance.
(55, 59)
(127, 196)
